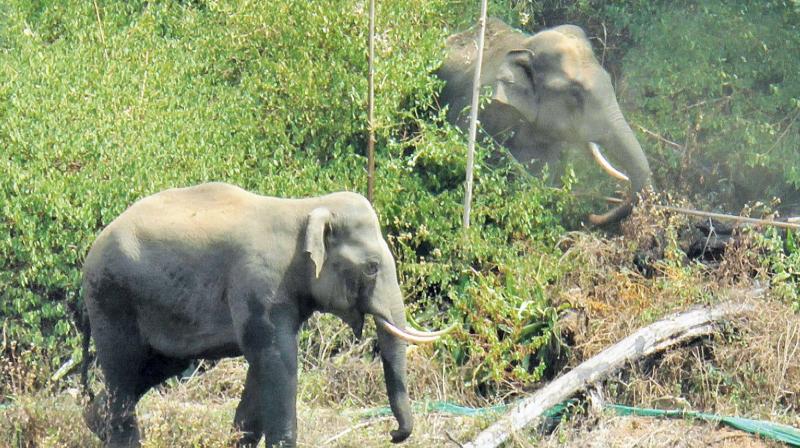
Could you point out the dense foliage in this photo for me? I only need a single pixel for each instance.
(711, 88)
(102, 103)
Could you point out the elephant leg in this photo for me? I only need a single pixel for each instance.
(95, 415)
(275, 369)
(121, 355)
(112, 414)
(270, 347)
(247, 419)
(117, 407)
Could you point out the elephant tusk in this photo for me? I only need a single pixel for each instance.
(402, 334)
(414, 332)
(598, 157)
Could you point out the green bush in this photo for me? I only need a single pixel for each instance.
(102, 103)
(720, 78)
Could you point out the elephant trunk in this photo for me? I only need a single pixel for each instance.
(386, 306)
(622, 143)
(393, 357)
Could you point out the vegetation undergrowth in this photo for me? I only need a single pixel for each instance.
(102, 103)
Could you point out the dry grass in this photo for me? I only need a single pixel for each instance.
(199, 412)
(751, 368)
(640, 432)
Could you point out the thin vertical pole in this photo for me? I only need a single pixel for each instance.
(371, 106)
(473, 116)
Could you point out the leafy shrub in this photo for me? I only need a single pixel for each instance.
(720, 79)
(103, 103)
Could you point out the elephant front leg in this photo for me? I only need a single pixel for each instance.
(247, 420)
(269, 401)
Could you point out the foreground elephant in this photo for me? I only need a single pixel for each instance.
(548, 90)
(214, 271)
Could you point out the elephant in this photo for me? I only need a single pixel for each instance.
(547, 91)
(213, 271)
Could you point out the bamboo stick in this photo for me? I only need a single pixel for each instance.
(473, 117)
(371, 106)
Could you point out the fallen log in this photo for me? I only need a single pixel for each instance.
(651, 339)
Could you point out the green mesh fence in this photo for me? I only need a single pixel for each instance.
(774, 431)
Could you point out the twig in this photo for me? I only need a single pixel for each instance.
(605, 39)
(783, 134)
(65, 369)
(353, 428)
(704, 102)
(100, 27)
(646, 341)
(660, 138)
(711, 231)
(453, 439)
(719, 440)
(704, 214)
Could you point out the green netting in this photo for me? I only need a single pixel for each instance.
(774, 431)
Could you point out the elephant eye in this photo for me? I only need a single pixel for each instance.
(371, 268)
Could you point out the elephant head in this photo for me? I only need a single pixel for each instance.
(548, 90)
(353, 274)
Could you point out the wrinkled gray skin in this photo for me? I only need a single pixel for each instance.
(548, 91)
(214, 271)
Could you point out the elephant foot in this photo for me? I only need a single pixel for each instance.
(249, 440)
(95, 417)
(114, 432)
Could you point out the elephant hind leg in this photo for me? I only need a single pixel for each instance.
(111, 416)
(121, 355)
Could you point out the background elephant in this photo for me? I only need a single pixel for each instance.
(214, 271)
(548, 91)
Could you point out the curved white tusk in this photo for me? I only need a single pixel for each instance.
(402, 334)
(414, 332)
(598, 157)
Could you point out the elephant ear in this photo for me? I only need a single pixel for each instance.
(318, 221)
(514, 84)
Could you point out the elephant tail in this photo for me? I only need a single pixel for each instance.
(86, 331)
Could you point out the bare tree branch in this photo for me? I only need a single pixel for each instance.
(646, 341)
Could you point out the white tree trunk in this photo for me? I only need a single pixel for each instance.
(646, 341)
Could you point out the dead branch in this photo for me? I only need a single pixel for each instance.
(790, 223)
(660, 138)
(646, 341)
